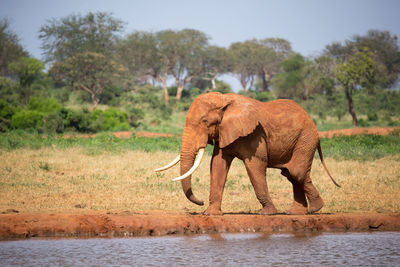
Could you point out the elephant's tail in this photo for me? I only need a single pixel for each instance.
(323, 163)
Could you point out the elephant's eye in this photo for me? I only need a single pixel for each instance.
(205, 121)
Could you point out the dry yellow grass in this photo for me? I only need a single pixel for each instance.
(52, 180)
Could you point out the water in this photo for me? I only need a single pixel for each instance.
(326, 249)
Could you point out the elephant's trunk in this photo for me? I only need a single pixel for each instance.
(187, 157)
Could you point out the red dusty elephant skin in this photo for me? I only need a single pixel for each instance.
(277, 134)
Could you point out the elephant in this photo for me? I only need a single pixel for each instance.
(277, 134)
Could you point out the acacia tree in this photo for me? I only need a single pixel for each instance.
(272, 52)
(243, 57)
(258, 58)
(10, 48)
(357, 72)
(290, 82)
(382, 44)
(65, 37)
(26, 70)
(140, 54)
(183, 52)
(215, 64)
(88, 71)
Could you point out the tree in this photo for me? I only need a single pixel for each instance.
(319, 76)
(357, 73)
(140, 54)
(290, 82)
(271, 54)
(382, 44)
(10, 48)
(243, 57)
(26, 70)
(88, 71)
(215, 64)
(183, 52)
(64, 38)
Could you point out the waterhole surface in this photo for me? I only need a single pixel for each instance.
(311, 249)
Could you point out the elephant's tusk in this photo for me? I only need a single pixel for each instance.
(170, 165)
(194, 167)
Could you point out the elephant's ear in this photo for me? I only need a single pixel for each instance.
(239, 119)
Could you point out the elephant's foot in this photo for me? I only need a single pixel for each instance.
(212, 211)
(315, 204)
(271, 210)
(297, 209)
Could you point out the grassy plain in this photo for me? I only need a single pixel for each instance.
(116, 175)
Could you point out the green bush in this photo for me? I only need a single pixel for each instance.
(8, 91)
(6, 112)
(111, 95)
(78, 120)
(61, 94)
(53, 122)
(109, 120)
(41, 114)
(222, 87)
(27, 119)
(135, 116)
(45, 105)
(264, 96)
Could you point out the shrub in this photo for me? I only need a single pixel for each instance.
(45, 105)
(135, 116)
(78, 120)
(222, 87)
(27, 119)
(372, 116)
(264, 96)
(110, 95)
(6, 112)
(108, 120)
(61, 94)
(53, 122)
(42, 114)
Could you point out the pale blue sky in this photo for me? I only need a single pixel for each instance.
(309, 24)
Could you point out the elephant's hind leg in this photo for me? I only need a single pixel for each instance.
(303, 190)
(299, 205)
(256, 170)
(315, 202)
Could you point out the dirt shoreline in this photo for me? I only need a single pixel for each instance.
(63, 225)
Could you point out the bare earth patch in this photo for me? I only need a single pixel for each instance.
(357, 131)
(125, 225)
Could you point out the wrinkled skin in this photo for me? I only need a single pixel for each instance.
(278, 134)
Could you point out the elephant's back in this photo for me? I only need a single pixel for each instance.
(287, 113)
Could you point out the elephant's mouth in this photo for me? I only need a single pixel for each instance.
(190, 171)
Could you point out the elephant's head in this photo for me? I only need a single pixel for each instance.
(212, 117)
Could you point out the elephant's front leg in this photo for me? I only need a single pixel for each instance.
(256, 169)
(219, 168)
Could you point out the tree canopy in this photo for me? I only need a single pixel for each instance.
(10, 48)
(65, 37)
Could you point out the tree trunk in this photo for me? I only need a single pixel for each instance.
(349, 93)
(243, 83)
(165, 88)
(95, 100)
(264, 82)
(93, 96)
(213, 84)
(179, 91)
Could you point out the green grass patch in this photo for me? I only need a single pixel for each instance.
(103, 142)
(360, 147)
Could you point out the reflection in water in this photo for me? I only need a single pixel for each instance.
(260, 249)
